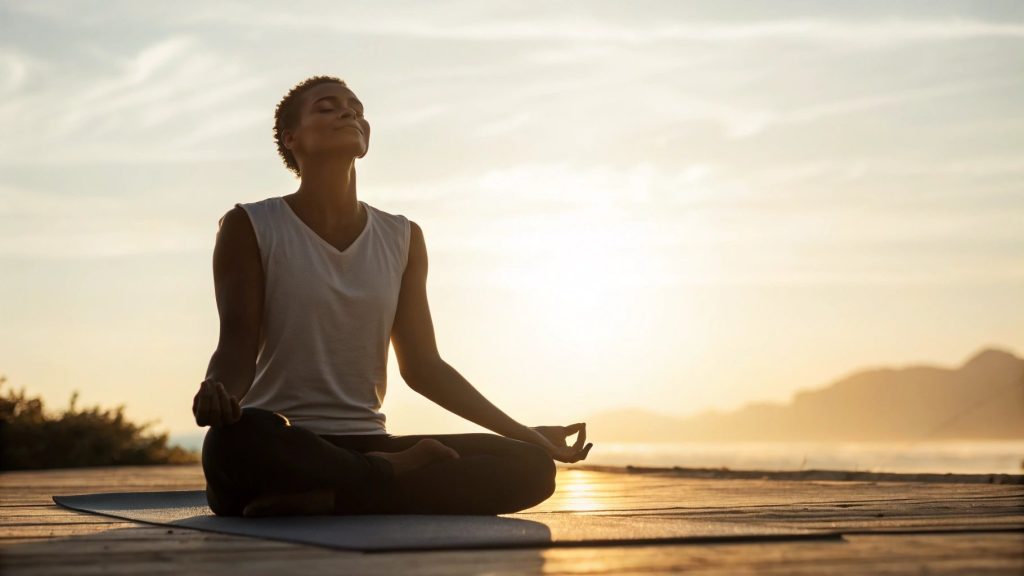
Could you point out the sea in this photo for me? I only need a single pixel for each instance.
(966, 457)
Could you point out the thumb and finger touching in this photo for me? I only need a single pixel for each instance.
(213, 406)
(557, 435)
(581, 434)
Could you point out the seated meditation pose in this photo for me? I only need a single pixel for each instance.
(311, 289)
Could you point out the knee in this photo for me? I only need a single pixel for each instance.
(252, 421)
(539, 473)
(254, 424)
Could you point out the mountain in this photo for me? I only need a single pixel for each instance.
(982, 399)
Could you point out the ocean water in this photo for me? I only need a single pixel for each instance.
(968, 457)
(986, 457)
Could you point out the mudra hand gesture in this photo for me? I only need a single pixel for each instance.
(552, 439)
(212, 406)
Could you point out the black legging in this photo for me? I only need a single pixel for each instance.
(263, 453)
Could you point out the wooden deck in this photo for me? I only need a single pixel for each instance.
(890, 525)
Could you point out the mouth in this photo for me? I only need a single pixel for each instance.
(356, 128)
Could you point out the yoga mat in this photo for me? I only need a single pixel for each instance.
(387, 533)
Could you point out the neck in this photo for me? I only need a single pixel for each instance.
(328, 192)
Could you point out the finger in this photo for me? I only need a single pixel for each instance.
(586, 451)
(574, 427)
(566, 455)
(553, 434)
(202, 409)
(581, 454)
(581, 436)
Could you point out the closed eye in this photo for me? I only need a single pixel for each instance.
(358, 112)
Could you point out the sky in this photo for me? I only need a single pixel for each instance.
(661, 205)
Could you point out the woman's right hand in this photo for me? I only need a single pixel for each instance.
(212, 406)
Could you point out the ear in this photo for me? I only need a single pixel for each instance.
(288, 139)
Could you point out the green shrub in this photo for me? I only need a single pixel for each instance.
(30, 438)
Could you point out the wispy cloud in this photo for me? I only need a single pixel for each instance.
(14, 67)
(160, 103)
(500, 22)
(744, 123)
(874, 32)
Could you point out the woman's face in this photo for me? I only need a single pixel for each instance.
(331, 123)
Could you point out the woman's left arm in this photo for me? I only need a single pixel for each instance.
(424, 370)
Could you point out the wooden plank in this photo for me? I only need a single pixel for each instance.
(55, 530)
(902, 554)
(38, 537)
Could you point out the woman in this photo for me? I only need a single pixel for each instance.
(310, 289)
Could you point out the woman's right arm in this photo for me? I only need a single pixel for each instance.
(238, 284)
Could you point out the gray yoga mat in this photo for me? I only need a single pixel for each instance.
(380, 533)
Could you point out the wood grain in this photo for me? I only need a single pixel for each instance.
(891, 526)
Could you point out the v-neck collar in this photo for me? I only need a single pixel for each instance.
(334, 250)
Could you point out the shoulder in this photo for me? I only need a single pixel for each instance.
(415, 233)
(235, 219)
(242, 213)
(235, 227)
(417, 248)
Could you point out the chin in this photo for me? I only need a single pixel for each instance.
(348, 152)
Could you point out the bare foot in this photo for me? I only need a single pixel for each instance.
(314, 502)
(419, 455)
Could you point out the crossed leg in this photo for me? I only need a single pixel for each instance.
(262, 454)
(493, 474)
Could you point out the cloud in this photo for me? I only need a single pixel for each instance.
(498, 22)
(553, 26)
(14, 70)
(875, 101)
(160, 103)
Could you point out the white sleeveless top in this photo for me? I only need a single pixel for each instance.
(327, 317)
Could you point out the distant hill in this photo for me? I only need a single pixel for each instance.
(982, 399)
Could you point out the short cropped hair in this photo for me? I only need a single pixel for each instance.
(288, 113)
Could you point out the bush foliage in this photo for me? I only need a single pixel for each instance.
(31, 438)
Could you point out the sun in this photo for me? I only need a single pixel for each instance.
(582, 278)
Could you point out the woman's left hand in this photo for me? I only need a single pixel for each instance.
(552, 439)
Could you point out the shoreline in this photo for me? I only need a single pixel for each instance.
(825, 475)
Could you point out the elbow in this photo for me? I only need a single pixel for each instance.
(419, 375)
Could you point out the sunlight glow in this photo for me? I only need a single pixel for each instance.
(576, 492)
(578, 275)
